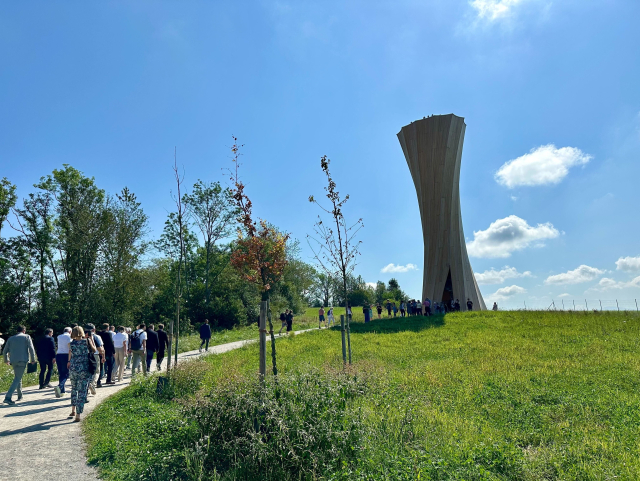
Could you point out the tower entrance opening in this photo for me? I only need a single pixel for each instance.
(447, 294)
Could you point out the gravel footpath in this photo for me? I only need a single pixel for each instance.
(39, 443)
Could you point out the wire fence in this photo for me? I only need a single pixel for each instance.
(566, 304)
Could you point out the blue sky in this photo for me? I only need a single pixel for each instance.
(549, 91)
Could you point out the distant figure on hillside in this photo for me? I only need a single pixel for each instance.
(452, 306)
(427, 307)
(163, 343)
(330, 318)
(18, 352)
(457, 305)
(321, 314)
(283, 320)
(379, 309)
(205, 335)
(469, 304)
(62, 357)
(418, 308)
(395, 310)
(365, 311)
(289, 320)
(389, 307)
(403, 308)
(495, 306)
(46, 351)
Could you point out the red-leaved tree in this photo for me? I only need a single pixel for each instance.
(260, 251)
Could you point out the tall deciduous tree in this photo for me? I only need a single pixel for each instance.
(211, 208)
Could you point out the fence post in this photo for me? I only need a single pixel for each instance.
(263, 340)
(617, 305)
(344, 346)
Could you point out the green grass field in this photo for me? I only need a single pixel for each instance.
(509, 395)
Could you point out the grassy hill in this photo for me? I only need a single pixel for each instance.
(509, 395)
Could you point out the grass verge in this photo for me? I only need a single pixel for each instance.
(496, 396)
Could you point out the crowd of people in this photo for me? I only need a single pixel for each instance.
(84, 357)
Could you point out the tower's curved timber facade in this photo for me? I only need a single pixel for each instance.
(433, 149)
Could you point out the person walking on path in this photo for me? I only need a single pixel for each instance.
(46, 351)
(205, 334)
(389, 307)
(120, 344)
(321, 315)
(18, 352)
(495, 306)
(469, 304)
(98, 353)
(403, 308)
(395, 310)
(152, 345)
(138, 347)
(283, 321)
(379, 309)
(427, 307)
(289, 321)
(129, 354)
(330, 317)
(109, 352)
(62, 357)
(78, 364)
(163, 342)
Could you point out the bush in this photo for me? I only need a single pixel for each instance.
(296, 427)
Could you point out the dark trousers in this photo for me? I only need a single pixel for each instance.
(45, 364)
(109, 362)
(159, 359)
(63, 371)
(149, 359)
(205, 341)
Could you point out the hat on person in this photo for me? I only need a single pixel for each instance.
(89, 327)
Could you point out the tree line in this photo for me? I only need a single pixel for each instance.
(71, 253)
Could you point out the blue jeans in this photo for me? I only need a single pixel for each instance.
(18, 372)
(63, 371)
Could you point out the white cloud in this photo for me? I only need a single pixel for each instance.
(498, 277)
(371, 285)
(564, 295)
(507, 292)
(606, 284)
(544, 165)
(628, 264)
(576, 276)
(392, 268)
(494, 9)
(507, 235)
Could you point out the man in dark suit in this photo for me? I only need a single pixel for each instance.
(152, 344)
(46, 351)
(205, 334)
(109, 352)
(163, 342)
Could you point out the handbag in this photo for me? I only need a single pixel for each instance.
(92, 364)
(32, 367)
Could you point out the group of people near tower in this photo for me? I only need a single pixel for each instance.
(84, 357)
